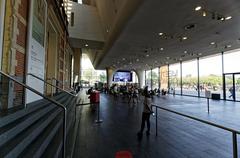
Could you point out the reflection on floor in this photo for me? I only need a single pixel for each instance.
(177, 136)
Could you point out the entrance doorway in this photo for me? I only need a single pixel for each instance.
(231, 87)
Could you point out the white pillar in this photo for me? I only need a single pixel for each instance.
(110, 73)
(141, 78)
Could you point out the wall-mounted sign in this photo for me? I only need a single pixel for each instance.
(36, 48)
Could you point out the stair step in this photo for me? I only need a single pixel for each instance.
(36, 131)
(32, 107)
(54, 149)
(17, 128)
(17, 145)
(39, 145)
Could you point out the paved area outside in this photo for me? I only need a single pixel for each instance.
(177, 136)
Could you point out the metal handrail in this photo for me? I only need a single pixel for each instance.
(234, 132)
(61, 82)
(48, 99)
(50, 84)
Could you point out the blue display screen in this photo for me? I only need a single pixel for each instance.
(122, 76)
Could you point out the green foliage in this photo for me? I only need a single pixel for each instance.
(103, 77)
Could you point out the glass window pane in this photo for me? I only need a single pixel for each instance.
(164, 77)
(189, 78)
(89, 75)
(231, 61)
(174, 78)
(210, 75)
(155, 76)
(148, 79)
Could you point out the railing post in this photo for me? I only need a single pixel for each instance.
(208, 104)
(235, 149)
(64, 131)
(156, 121)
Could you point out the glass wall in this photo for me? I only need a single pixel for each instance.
(231, 61)
(210, 75)
(210, 70)
(164, 77)
(155, 76)
(175, 78)
(89, 75)
(190, 78)
(232, 65)
(148, 79)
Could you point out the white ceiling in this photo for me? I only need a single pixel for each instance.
(140, 36)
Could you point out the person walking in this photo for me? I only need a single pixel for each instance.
(147, 110)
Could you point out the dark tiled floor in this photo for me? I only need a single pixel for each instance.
(178, 137)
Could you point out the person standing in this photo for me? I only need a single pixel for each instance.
(146, 114)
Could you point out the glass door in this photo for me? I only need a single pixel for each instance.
(237, 86)
(229, 87)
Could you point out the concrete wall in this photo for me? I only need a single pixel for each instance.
(87, 24)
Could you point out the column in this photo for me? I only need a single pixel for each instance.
(141, 77)
(110, 73)
(77, 55)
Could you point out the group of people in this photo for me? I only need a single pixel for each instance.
(131, 92)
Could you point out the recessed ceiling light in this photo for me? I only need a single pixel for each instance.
(137, 60)
(229, 46)
(204, 13)
(185, 52)
(161, 48)
(221, 18)
(167, 58)
(212, 43)
(123, 59)
(198, 8)
(199, 53)
(228, 18)
(86, 45)
(180, 59)
(147, 55)
(184, 38)
(160, 34)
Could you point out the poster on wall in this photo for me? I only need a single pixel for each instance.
(36, 48)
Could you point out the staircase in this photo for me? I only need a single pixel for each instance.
(37, 131)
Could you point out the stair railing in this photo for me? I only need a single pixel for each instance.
(61, 82)
(50, 100)
(51, 84)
